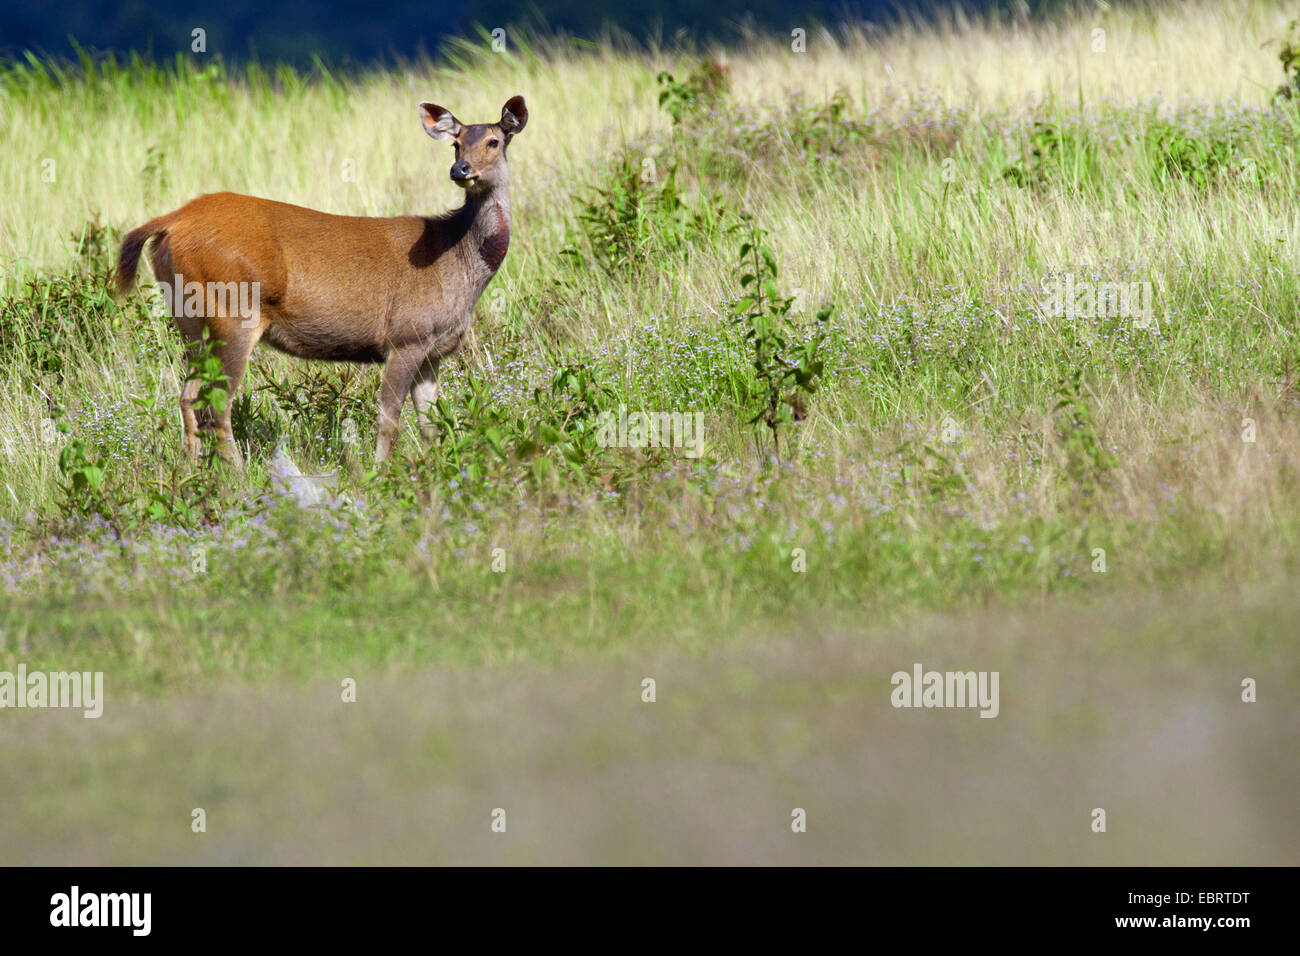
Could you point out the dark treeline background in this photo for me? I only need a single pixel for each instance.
(361, 32)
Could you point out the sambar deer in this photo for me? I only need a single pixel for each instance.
(400, 291)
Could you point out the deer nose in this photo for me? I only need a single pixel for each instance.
(460, 171)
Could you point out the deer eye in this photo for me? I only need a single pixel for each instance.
(493, 142)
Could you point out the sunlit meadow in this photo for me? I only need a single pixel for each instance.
(969, 443)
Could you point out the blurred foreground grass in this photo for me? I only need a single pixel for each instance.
(1133, 707)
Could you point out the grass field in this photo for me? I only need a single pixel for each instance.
(1095, 494)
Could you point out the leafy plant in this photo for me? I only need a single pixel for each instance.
(482, 445)
(83, 473)
(1289, 56)
(787, 370)
(825, 132)
(1054, 152)
(333, 402)
(188, 499)
(1201, 161)
(96, 246)
(563, 420)
(703, 87)
(557, 434)
(935, 474)
(52, 319)
(1086, 456)
(635, 212)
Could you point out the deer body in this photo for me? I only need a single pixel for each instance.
(400, 291)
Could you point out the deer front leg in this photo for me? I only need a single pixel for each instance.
(399, 373)
(424, 395)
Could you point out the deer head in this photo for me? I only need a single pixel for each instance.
(480, 149)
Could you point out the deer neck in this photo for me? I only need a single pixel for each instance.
(488, 236)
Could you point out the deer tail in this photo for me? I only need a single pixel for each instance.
(128, 260)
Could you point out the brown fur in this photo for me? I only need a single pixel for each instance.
(343, 288)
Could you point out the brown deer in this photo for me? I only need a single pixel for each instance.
(400, 291)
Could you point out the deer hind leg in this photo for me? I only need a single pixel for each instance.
(424, 395)
(231, 348)
(399, 373)
(192, 331)
(233, 352)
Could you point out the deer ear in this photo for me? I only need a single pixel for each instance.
(438, 122)
(514, 115)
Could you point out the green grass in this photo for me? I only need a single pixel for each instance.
(968, 450)
(1133, 708)
(967, 442)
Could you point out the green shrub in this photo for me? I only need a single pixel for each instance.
(53, 319)
(703, 88)
(636, 216)
(787, 370)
